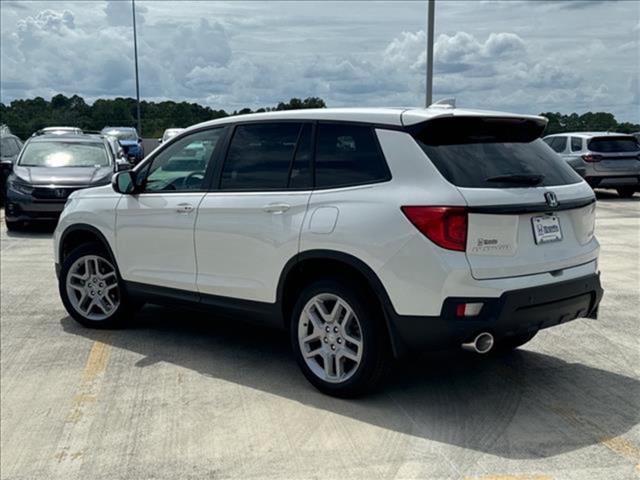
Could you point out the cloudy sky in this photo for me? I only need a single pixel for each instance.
(523, 56)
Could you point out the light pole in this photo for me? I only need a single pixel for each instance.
(135, 54)
(431, 6)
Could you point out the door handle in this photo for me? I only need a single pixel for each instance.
(184, 208)
(276, 208)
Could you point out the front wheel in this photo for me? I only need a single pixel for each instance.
(339, 339)
(626, 192)
(91, 289)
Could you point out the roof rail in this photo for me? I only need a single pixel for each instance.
(444, 103)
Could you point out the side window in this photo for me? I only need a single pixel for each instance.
(558, 144)
(348, 155)
(181, 167)
(562, 144)
(576, 144)
(260, 156)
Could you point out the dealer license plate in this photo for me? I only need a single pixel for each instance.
(546, 228)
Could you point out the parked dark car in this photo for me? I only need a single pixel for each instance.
(10, 146)
(49, 168)
(129, 139)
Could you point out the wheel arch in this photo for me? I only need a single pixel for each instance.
(311, 264)
(81, 233)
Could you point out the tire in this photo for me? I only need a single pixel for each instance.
(85, 300)
(354, 370)
(626, 192)
(508, 344)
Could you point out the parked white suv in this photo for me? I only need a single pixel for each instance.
(366, 233)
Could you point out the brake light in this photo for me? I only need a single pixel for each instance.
(444, 226)
(589, 157)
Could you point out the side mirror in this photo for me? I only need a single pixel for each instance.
(6, 166)
(124, 182)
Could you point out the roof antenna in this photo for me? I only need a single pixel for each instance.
(444, 103)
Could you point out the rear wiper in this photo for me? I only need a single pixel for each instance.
(522, 178)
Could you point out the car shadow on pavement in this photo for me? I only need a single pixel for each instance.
(524, 405)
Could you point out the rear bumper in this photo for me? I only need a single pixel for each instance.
(603, 179)
(514, 312)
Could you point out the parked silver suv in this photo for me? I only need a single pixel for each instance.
(604, 159)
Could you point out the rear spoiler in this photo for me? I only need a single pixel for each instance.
(453, 129)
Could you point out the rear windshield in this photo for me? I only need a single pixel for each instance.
(614, 144)
(64, 154)
(493, 153)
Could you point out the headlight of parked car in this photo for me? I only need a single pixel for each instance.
(17, 185)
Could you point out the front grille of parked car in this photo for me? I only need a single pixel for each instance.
(52, 193)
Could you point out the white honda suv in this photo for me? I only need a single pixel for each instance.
(364, 233)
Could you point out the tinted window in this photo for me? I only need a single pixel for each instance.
(260, 156)
(576, 144)
(65, 154)
(348, 155)
(559, 144)
(614, 144)
(182, 165)
(473, 152)
(300, 169)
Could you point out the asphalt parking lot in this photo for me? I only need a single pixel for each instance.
(182, 395)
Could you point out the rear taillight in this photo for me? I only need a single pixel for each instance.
(444, 226)
(589, 157)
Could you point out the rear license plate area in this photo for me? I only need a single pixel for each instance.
(546, 229)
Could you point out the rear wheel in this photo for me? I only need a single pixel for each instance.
(91, 289)
(339, 339)
(626, 192)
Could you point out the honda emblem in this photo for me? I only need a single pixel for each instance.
(551, 199)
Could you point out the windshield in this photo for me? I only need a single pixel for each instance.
(126, 135)
(614, 144)
(64, 154)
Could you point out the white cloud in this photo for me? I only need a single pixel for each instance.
(523, 56)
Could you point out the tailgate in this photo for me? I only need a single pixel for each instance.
(502, 240)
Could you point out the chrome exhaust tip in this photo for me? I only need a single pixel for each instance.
(483, 343)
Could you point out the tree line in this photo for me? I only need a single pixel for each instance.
(24, 117)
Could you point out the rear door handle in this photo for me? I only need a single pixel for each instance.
(184, 208)
(276, 208)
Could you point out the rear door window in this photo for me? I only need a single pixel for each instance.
(558, 144)
(493, 153)
(576, 144)
(348, 155)
(614, 144)
(260, 156)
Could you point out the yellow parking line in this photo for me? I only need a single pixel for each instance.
(76, 431)
(96, 362)
(511, 477)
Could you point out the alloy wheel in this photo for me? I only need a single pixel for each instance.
(92, 287)
(330, 338)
